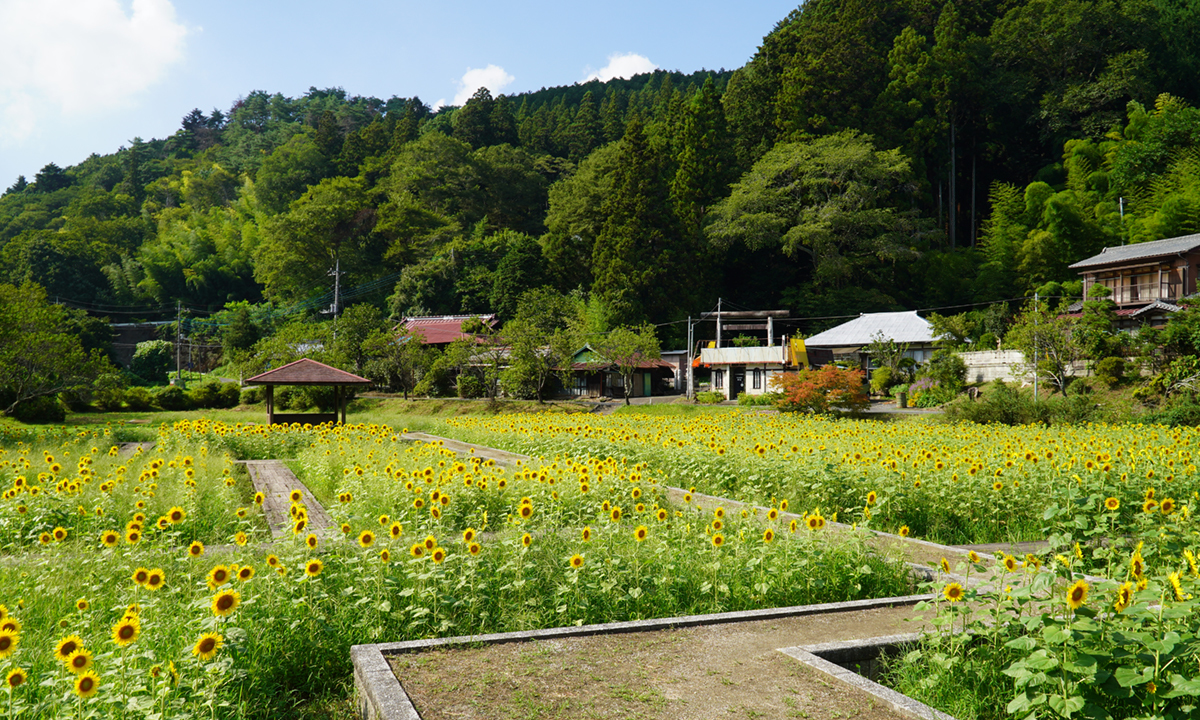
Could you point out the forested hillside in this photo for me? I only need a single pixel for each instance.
(871, 155)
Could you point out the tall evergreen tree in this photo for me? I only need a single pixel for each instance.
(706, 162)
(641, 260)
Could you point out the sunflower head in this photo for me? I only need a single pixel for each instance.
(526, 540)
(1077, 594)
(245, 573)
(311, 541)
(196, 549)
(953, 592)
(9, 639)
(155, 579)
(1112, 503)
(126, 631)
(313, 567)
(140, 575)
(87, 684)
(225, 602)
(366, 538)
(218, 576)
(16, 678)
(438, 555)
(718, 540)
(576, 561)
(206, 647)
(79, 661)
(474, 548)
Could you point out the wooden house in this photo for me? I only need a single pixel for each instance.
(593, 376)
(1146, 280)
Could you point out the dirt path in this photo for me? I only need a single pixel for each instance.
(129, 448)
(275, 481)
(712, 671)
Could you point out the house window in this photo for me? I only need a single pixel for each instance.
(756, 379)
(718, 378)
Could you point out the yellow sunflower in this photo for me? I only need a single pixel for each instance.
(366, 538)
(87, 684)
(718, 540)
(206, 647)
(16, 678)
(225, 602)
(196, 549)
(1077, 594)
(126, 631)
(9, 639)
(576, 561)
(80, 661)
(313, 567)
(953, 592)
(110, 538)
(218, 576)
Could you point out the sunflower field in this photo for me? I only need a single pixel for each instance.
(949, 483)
(146, 583)
(1102, 625)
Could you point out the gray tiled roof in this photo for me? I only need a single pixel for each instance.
(1139, 251)
(902, 327)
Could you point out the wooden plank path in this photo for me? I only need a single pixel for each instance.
(276, 482)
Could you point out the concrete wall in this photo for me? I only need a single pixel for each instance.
(984, 366)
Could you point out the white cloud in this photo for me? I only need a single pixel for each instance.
(80, 56)
(492, 77)
(621, 65)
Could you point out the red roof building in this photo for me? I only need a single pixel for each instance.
(441, 329)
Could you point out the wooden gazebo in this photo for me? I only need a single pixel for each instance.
(307, 372)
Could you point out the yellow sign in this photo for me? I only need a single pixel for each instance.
(798, 353)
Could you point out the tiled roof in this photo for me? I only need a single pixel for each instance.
(901, 327)
(441, 329)
(1141, 251)
(307, 372)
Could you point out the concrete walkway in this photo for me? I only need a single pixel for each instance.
(276, 482)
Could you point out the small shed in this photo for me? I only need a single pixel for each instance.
(596, 377)
(307, 372)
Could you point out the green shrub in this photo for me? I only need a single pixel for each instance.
(710, 397)
(1005, 404)
(1183, 411)
(213, 393)
(881, 379)
(171, 397)
(138, 399)
(44, 409)
(947, 370)
(1111, 371)
(108, 393)
(251, 396)
(152, 360)
(766, 399)
(469, 386)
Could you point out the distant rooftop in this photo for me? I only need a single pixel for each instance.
(901, 327)
(1141, 251)
(441, 329)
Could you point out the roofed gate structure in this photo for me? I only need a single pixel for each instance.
(307, 372)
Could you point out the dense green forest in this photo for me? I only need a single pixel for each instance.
(870, 156)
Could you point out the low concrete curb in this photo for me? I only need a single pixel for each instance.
(380, 696)
(831, 658)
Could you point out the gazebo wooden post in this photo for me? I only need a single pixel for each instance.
(340, 398)
(270, 404)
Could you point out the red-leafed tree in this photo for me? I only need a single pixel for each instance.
(820, 391)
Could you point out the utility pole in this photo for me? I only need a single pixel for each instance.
(336, 272)
(690, 379)
(1037, 311)
(1121, 207)
(178, 337)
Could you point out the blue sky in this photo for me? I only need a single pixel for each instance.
(83, 76)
